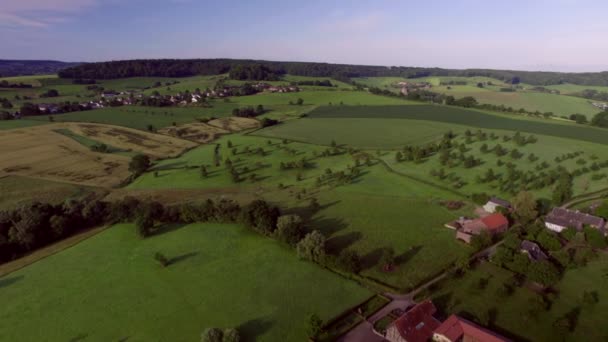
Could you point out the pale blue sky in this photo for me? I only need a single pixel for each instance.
(565, 35)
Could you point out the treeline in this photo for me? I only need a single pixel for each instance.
(5, 84)
(31, 109)
(342, 72)
(29, 67)
(37, 225)
(257, 72)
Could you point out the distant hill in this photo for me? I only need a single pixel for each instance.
(343, 72)
(30, 67)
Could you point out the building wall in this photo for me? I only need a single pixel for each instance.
(554, 227)
(490, 207)
(440, 338)
(393, 335)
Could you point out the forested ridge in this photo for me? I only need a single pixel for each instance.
(191, 67)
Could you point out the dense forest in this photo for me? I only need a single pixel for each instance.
(18, 68)
(343, 72)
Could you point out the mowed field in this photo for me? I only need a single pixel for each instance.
(462, 116)
(220, 276)
(41, 152)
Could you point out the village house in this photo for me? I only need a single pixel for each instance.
(561, 218)
(493, 224)
(533, 250)
(415, 325)
(494, 203)
(109, 94)
(457, 329)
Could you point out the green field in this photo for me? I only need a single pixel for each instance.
(380, 209)
(11, 124)
(462, 116)
(364, 133)
(222, 276)
(511, 317)
(140, 117)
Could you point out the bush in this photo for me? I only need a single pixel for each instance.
(161, 259)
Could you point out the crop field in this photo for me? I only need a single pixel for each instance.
(363, 133)
(140, 117)
(220, 276)
(561, 105)
(461, 116)
(41, 152)
(568, 88)
(16, 191)
(511, 313)
(207, 132)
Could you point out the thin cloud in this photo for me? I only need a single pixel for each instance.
(40, 13)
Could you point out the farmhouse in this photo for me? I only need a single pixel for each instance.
(495, 203)
(456, 329)
(494, 224)
(533, 250)
(561, 218)
(416, 325)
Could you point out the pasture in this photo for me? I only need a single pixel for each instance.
(378, 209)
(220, 276)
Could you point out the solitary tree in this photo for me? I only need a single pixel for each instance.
(315, 325)
(139, 164)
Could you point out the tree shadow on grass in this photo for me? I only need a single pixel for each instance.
(371, 259)
(337, 244)
(167, 228)
(252, 329)
(307, 213)
(4, 282)
(79, 337)
(182, 257)
(407, 255)
(169, 166)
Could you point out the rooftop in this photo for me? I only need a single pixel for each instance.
(418, 324)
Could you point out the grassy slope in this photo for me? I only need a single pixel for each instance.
(16, 191)
(225, 276)
(380, 209)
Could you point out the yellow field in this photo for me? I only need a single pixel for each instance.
(207, 132)
(40, 152)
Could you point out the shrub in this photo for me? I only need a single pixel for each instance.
(161, 259)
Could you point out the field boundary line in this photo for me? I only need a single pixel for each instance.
(48, 251)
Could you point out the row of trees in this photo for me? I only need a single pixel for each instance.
(248, 112)
(343, 72)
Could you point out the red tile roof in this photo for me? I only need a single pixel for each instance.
(418, 324)
(495, 221)
(456, 328)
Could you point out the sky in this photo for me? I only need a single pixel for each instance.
(552, 35)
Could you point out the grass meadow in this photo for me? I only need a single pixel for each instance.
(12, 124)
(462, 116)
(219, 276)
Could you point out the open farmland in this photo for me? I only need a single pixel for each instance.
(222, 275)
(41, 152)
(472, 118)
(207, 132)
(376, 210)
(141, 117)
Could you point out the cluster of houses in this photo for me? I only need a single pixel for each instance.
(407, 87)
(419, 324)
(276, 89)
